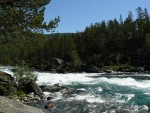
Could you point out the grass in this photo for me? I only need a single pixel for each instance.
(118, 67)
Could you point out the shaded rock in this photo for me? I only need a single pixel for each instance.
(33, 87)
(57, 62)
(53, 70)
(49, 98)
(90, 69)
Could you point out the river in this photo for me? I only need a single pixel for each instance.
(98, 94)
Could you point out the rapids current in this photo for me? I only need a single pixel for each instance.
(98, 94)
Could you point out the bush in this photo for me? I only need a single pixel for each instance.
(20, 93)
(23, 74)
(7, 89)
(2, 90)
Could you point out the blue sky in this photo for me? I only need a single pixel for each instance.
(75, 15)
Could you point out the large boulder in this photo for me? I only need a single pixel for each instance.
(5, 77)
(33, 87)
(6, 84)
(16, 106)
(54, 88)
(57, 62)
(90, 69)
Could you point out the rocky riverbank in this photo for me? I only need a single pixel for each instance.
(32, 103)
(16, 106)
(13, 100)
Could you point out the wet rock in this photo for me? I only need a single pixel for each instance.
(54, 88)
(49, 98)
(30, 95)
(90, 69)
(68, 91)
(50, 106)
(37, 97)
(29, 98)
(41, 103)
(33, 87)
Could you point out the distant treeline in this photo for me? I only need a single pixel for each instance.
(115, 42)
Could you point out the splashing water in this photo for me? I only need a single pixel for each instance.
(100, 94)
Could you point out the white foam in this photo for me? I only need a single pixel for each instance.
(99, 89)
(57, 95)
(63, 79)
(6, 69)
(130, 96)
(46, 93)
(123, 98)
(140, 108)
(88, 98)
(82, 89)
(144, 108)
(127, 82)
(84, 78)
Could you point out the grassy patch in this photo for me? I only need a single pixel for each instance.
(115, 67)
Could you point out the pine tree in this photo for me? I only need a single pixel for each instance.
(23, 18)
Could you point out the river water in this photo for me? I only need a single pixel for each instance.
(98, 94)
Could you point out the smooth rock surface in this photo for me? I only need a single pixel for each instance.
(15, 106)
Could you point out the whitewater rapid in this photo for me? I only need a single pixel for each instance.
(84, 78)
(127, 91)
(45, 78)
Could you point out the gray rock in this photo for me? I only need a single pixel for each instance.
(49, 98)
(30, 95)
(5, 77)
(15, 106)
(54, 88)
(33, 87)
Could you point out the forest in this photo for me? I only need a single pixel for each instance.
(107, 43)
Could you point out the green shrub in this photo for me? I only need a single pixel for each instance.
(2, 90)
(23, 75)
(20, 93)
(8, 89)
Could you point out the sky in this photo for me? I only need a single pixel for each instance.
(76, 15)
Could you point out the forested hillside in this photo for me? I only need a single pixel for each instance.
(114, 42)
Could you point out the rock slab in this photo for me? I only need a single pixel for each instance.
(15, 106)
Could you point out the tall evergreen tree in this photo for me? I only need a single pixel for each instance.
(23, 18)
